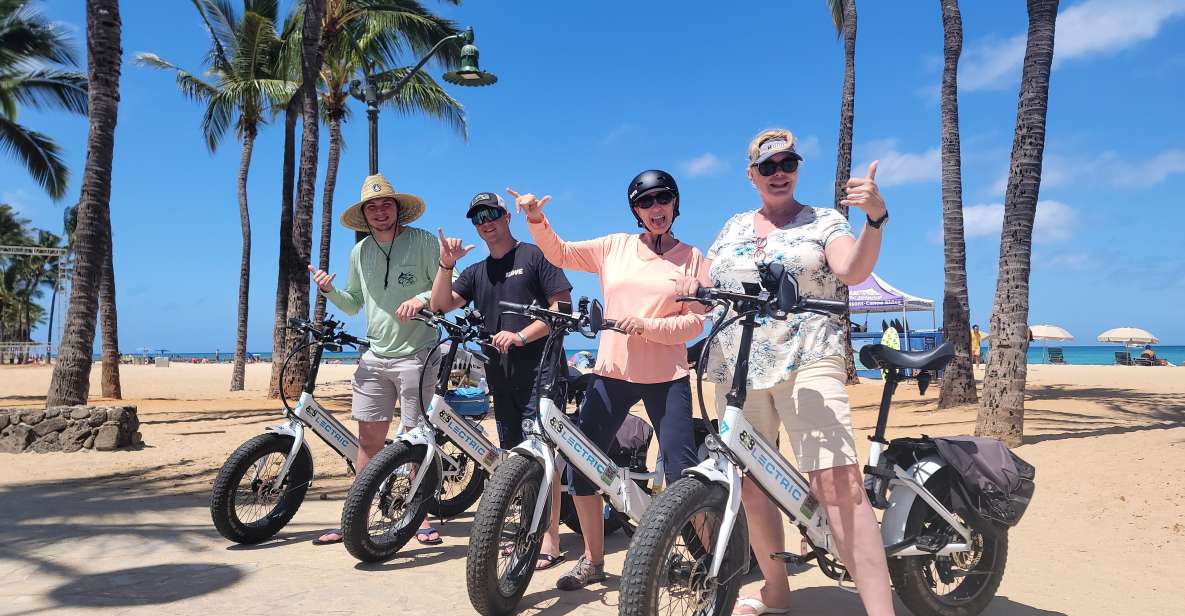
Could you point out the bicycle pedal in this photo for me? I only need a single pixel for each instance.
(791, 558)
(930, 543)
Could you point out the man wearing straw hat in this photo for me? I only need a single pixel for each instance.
(390, 276)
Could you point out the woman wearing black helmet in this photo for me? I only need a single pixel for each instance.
(648, 363)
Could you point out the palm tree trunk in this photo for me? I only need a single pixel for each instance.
(71, 375)
(958, 381)
(107, 320)
(237, 372)
(1002, 413)
(287, 259)
(302, 216)
(843, 164)
(335, 146)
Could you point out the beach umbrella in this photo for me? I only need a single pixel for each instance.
(1128, 335)
(1050, 332)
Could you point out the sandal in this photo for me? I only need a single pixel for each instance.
(548, 561)
(424, 536)
(334, 536)
(759, 607)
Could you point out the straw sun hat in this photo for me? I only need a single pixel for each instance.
(376, 186)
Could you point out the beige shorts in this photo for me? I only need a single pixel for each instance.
(813, 406)
(379, 382)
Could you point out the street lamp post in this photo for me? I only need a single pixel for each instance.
(468, 75)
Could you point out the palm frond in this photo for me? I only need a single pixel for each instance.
(50, 89)
(220, 21)
(191, 86)
(422, 94)
(837, 7)
(218, 118)
(393, 28)
(268, 9)
(26, 37)
(38, 153)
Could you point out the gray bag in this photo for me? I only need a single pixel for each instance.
(997, 484)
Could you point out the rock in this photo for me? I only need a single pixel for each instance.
(107, 439)
(133, 422)
(81, 413)
(137, 439)
(33, 417)
(115, 414)
(49, 442)
(89, 442)
(74, 437)
(4, 421)
(15, 441)
(50, 425)
(54, 412)
(98, 416)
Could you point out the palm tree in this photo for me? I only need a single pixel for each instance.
(362, 35)
(958, 383)
(1002, 412)
(243, 57)
(71, 375)
(312, 51)
(109, 346)
(843, 15)
(29, 47)
(289, 66)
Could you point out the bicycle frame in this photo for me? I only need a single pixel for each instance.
(739, 449)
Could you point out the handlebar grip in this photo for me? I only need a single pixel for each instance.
(609, 324)
(825, 305)
(513, 306)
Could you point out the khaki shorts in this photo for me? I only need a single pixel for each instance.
(379, 382)
(813, 406)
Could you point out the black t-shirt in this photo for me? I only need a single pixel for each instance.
(522, 275)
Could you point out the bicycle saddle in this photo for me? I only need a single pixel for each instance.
(881, 356)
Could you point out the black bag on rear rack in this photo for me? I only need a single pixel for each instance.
(631, 444)
(997, 485)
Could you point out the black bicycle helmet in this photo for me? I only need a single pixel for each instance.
(647, 181)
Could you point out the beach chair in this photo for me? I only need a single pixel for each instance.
(1123, 358)
(1056, 356)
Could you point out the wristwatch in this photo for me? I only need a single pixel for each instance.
(876, 224)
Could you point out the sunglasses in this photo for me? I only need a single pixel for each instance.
(769, 167)
(645, 202)
(488, 214)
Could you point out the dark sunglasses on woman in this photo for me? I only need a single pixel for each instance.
(488, 214)
(645, 202)
(769, 167)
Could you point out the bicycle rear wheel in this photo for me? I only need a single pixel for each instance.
(380, 515)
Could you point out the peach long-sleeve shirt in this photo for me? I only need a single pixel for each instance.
(639, 283)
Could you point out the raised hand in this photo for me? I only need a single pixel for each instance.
(324, 280)
(451, 250)
(864, 194)
(529, 205)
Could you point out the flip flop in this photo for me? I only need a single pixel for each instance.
(549, 560)
(336, 531)
(758, 607)
(423, 534)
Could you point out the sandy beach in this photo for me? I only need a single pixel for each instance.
(130, 532)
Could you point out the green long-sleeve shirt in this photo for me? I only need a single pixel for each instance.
(414, 260)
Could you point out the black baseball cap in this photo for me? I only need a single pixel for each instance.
(485, 199)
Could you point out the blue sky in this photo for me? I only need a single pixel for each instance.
(591, 93)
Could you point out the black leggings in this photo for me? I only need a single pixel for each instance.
(608, 401)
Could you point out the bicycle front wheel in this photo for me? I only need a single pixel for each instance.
(380, 514)
(667, 568)
(502, 553)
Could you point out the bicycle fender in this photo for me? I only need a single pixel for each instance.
(902, 499)
(295, 429)
(532, 448)
(709, 471)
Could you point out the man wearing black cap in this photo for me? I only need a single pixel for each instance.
(514, 272)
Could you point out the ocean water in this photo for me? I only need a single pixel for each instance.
(1094, 355)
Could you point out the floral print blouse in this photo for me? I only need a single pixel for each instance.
(779, 347)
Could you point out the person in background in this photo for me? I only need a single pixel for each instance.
(976, 344)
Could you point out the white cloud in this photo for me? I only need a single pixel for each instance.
(1054, 223)
(1105, 168)
(898, 167)
(706, 164)
(616, 133)
(1088, 28)
(808, 146)
(1068, 261)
